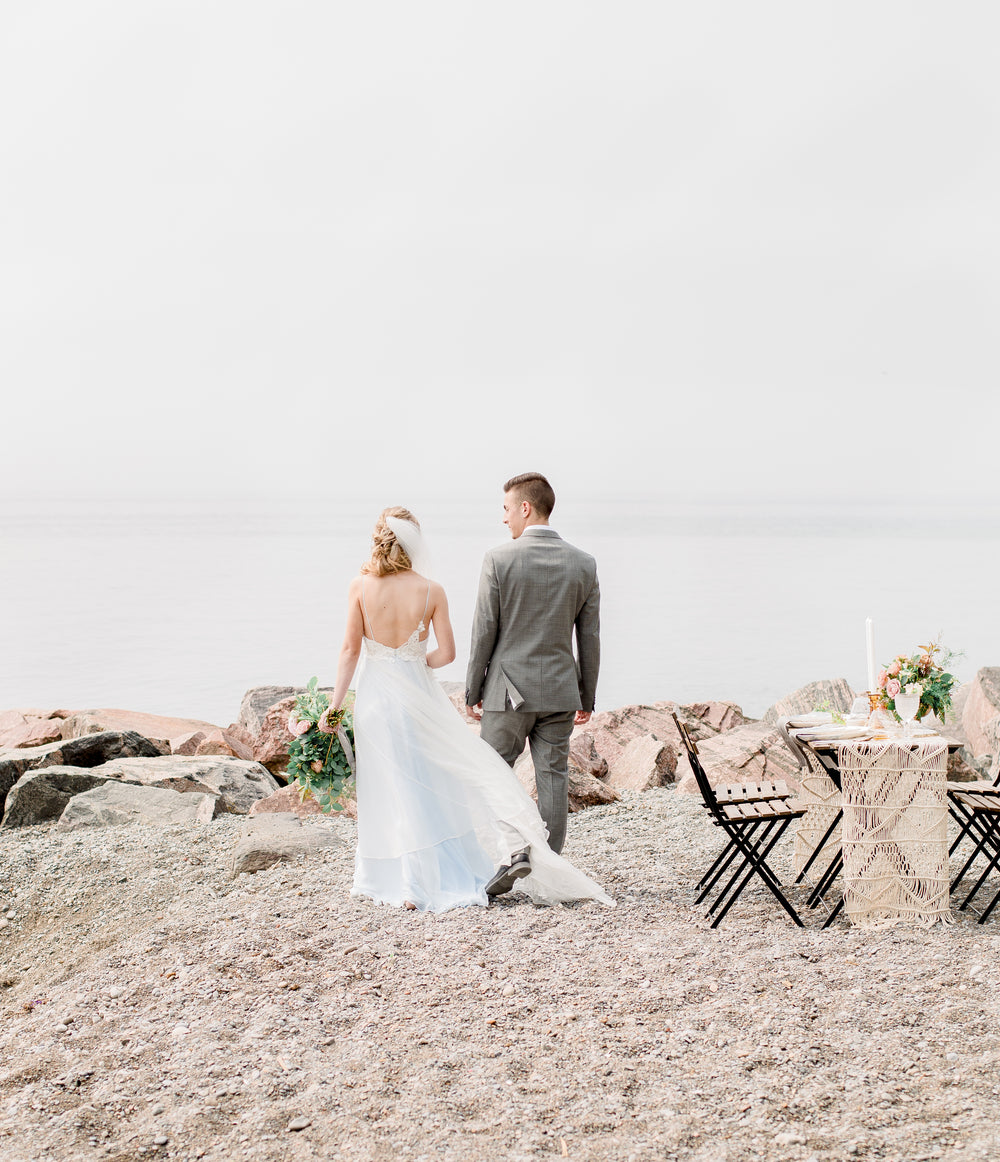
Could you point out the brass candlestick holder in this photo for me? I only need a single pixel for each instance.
(880, 721)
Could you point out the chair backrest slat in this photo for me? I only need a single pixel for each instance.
(704, 786)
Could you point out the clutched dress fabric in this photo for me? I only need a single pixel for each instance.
(438, 809)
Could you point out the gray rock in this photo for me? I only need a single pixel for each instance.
(828, 694)
(237, 783)
(964, 768)
(258, 701)
(270, 839)
(116, 802)
(90, 750)
(39, 796)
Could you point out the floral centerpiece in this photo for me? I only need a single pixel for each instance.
(927, 669)
(321, 753)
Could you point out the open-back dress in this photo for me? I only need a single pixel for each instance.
(438, 809)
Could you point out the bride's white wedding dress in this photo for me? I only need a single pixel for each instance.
(438, 809)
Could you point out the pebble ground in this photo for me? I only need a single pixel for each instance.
(151, 1006)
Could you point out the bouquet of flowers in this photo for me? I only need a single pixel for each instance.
(927, 669)
(321, 753)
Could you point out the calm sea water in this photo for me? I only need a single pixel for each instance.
(178, 608)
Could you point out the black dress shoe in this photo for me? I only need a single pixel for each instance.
(509, 874)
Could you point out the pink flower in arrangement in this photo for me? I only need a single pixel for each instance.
(894, 669)
(883, 677)
(892, 687)
(925, 663)
(297, 726)
(317, 766)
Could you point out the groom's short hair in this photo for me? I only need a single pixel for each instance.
(535, 489)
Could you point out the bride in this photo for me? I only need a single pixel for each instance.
(438, 809)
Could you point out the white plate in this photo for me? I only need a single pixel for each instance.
(817, 718)
(834, 733)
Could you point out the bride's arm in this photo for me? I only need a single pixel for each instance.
(350, 650)
(443, 633)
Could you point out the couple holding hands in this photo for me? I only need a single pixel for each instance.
(443, 822)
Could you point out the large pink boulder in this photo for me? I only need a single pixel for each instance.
(981, 712)
(262, 727)
(755, 751)
(172, 735)
(584, 789)
(643, 764)
(289, 799)
(611, 731)
(22, 728)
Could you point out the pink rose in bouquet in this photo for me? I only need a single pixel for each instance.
(893, 670)
(892, 687)
(296, 726)
(883, 677)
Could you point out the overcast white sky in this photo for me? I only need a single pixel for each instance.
(704, 248)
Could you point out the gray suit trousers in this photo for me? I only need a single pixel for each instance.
(548, 736)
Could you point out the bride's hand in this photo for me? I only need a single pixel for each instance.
(474, 713)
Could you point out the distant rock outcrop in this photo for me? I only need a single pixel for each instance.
(828, 694)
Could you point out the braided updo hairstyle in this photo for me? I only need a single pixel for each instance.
(388, 555)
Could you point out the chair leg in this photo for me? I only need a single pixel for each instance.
(991, 864)
(819, 847)
(989, 908)
(826, 880)
(755, 863)
(983, 838)
(711, 877)
(964, 822)
(752, 845)
(739, 849)
(833, 915)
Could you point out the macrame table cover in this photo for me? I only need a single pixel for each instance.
(821, 797)
(895, 831)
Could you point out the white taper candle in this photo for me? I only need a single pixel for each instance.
(870, 641)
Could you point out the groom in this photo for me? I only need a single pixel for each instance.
(523, 682)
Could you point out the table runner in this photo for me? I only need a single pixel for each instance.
(821, 797)
(895, 831)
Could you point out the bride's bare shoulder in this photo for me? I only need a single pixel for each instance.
(438, 595)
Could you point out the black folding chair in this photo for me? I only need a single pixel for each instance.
(752, 824)
(801, 755)
(959, 810)
(978, 812)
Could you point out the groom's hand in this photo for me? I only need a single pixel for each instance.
(582, 717)
(474, 713)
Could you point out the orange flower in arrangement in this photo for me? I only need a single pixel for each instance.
(928, 669)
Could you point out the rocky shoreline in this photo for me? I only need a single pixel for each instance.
(205, 987)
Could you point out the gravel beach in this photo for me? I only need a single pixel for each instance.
(154, 1006)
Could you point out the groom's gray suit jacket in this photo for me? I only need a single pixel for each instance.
(535, 593)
